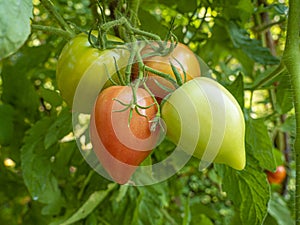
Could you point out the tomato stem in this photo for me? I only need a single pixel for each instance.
(164, 75)
(53, 30)
(291, 59)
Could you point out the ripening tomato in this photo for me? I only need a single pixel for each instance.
(80, 63)
(278, 176)
(205, 120)
(181, 57)
(122, 141)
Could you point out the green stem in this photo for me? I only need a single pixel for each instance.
(291, 59)
(49, 6)
(132, 30)
(52, 30)
(134, 9)
(164, 75)
(273, 74)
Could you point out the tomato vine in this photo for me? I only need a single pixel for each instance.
(291, 59)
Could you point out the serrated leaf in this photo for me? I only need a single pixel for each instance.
(7, 125)
(18, 89)
(249, 191)
(58, 129)
(251, 47)
(92, 202)
(36, 168)
(14, 25)
(260, 145)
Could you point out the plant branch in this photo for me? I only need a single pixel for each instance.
(49, 6)
(52, 30)
(123, 21)
(291, 59)
(273, 74)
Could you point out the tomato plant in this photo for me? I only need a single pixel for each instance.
(251, 48)
(206, 121)
(120, 130)
(278, 176)
(78, 57)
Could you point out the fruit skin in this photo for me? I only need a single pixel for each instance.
(121, 148)
(183, 55)
(201, 115)
(278, 176)
(78, 57)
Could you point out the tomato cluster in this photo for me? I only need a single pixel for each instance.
(200, 115)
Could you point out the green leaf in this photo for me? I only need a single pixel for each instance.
(7, 125)
(148, 206)
(270, 221)
(58, 129)
(251, 47)
(289, 125)
(237, 89)
(14, 25)
(198, 209)
(18, 89)
(204, 220)
(150, 23)
(51, 97)
(19, 92)
(36, 168)
(284, 95)
(259, 143)
(181, 5)
(92, 202)
(279, 210)
(238, 10)
(249, 191)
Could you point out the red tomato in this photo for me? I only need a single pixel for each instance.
(181, 57)
(120, 146)
(278, 176)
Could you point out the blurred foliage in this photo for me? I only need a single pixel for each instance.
(47, 181)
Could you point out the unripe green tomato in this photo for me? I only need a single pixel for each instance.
(206, 121)
(78, 59)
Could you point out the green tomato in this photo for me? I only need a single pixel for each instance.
(79, 62)
(205, 120)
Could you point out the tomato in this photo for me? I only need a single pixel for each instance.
(278, 176)
(78, 60)
(181, 57)
(205, 120)
(121, 147)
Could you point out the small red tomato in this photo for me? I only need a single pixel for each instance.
(278, 176)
